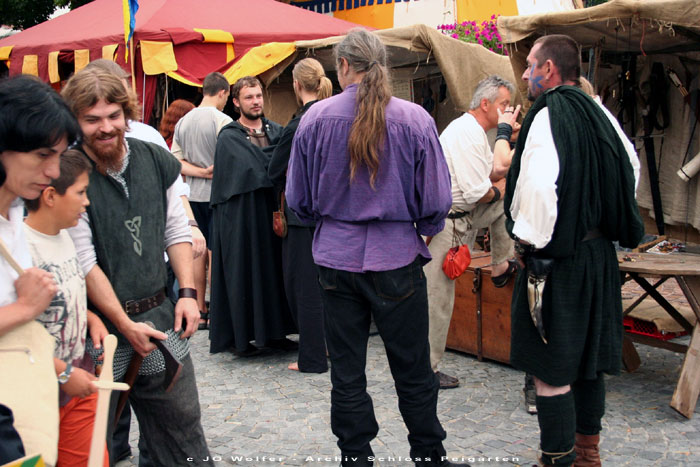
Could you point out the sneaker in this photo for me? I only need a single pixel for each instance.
(447, 381)
(530, 395)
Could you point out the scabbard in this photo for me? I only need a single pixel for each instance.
(131, 373)
(535, 289)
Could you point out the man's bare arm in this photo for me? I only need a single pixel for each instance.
(102, 295)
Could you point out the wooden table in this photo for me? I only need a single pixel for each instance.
(685, 269)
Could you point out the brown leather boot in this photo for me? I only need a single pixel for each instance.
(587, 453)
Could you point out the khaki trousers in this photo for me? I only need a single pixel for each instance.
(441, 289)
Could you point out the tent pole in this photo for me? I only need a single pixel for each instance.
(133, 57)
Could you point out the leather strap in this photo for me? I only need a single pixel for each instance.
(187, 292)
(135, 307)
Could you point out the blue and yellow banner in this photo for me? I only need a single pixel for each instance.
(130, 8)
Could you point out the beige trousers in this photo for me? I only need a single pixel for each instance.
(441, 289)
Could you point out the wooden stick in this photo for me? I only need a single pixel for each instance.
(105, 386)
(8, 257)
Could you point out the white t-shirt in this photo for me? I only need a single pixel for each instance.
(147, 133)
(12, 233)
(194, 140)
(66, 316)
(469, 159)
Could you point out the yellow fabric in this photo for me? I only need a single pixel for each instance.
(174, 75)
(478, 10)
(259, 59)
(216, 35)
(230, 54)
(5, 52)
(54, 77)
(157, 57)
(127, 26)
(30, 65)
(82, 58)
(375, 16)
(108, 51)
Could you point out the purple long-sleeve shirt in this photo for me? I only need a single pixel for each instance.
(360, 228)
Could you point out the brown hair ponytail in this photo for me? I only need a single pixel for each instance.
(364, 52)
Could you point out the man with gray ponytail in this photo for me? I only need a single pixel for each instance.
(369, 170)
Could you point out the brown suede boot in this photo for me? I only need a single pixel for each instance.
(587, 453)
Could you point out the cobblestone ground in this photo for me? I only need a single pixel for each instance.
(255, 409)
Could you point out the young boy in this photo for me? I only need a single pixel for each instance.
(67, 317)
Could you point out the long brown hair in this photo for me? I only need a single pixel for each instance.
(310, 75)
(88, 86)
(366, 54)
(175, 112)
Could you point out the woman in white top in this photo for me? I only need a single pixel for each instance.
(35, 128)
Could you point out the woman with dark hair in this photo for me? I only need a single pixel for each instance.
(36, 127)
(369, 169)
(298, 269)
(175, 112)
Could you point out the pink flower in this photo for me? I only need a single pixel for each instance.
(456, 36)
(480, 41)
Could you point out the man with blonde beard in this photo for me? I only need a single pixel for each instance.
(133, 217)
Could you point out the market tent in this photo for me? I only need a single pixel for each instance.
(621, 40)
(184, 39)
(426, 66)
(417, 51)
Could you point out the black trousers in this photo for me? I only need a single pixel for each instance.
(398, 302)
(304, 299)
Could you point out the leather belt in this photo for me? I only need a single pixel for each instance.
(457, 214)
(135, 307)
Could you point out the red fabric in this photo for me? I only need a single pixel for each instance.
(100, 23)
(456, 261)
(77, 418)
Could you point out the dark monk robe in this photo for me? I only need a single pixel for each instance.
(247, 293)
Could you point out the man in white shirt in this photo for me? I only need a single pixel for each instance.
(194, 144)
(570, 193)
(477, 179)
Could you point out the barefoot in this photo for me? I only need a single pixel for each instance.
(293, 366)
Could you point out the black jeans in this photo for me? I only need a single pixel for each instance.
(398, 302)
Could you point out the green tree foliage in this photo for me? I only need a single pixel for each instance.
(22, 14)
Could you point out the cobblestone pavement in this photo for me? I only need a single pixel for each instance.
(256, 409)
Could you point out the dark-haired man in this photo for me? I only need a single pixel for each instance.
(134, 216)
(194, 143)
(247, 292)
(569, 194)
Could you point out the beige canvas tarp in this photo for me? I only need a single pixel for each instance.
(462, 65)
(665, 31)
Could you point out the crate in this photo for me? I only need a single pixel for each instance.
(647, 328)
(481, 316)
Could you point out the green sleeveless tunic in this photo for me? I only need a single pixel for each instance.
(129, 232)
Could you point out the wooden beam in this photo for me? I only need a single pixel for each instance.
(686, 394)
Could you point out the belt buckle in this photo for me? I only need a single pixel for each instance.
(128, 307)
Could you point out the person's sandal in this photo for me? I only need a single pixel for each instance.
(502, 279)
(205, 324)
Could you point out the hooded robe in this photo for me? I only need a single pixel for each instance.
(247, 292)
